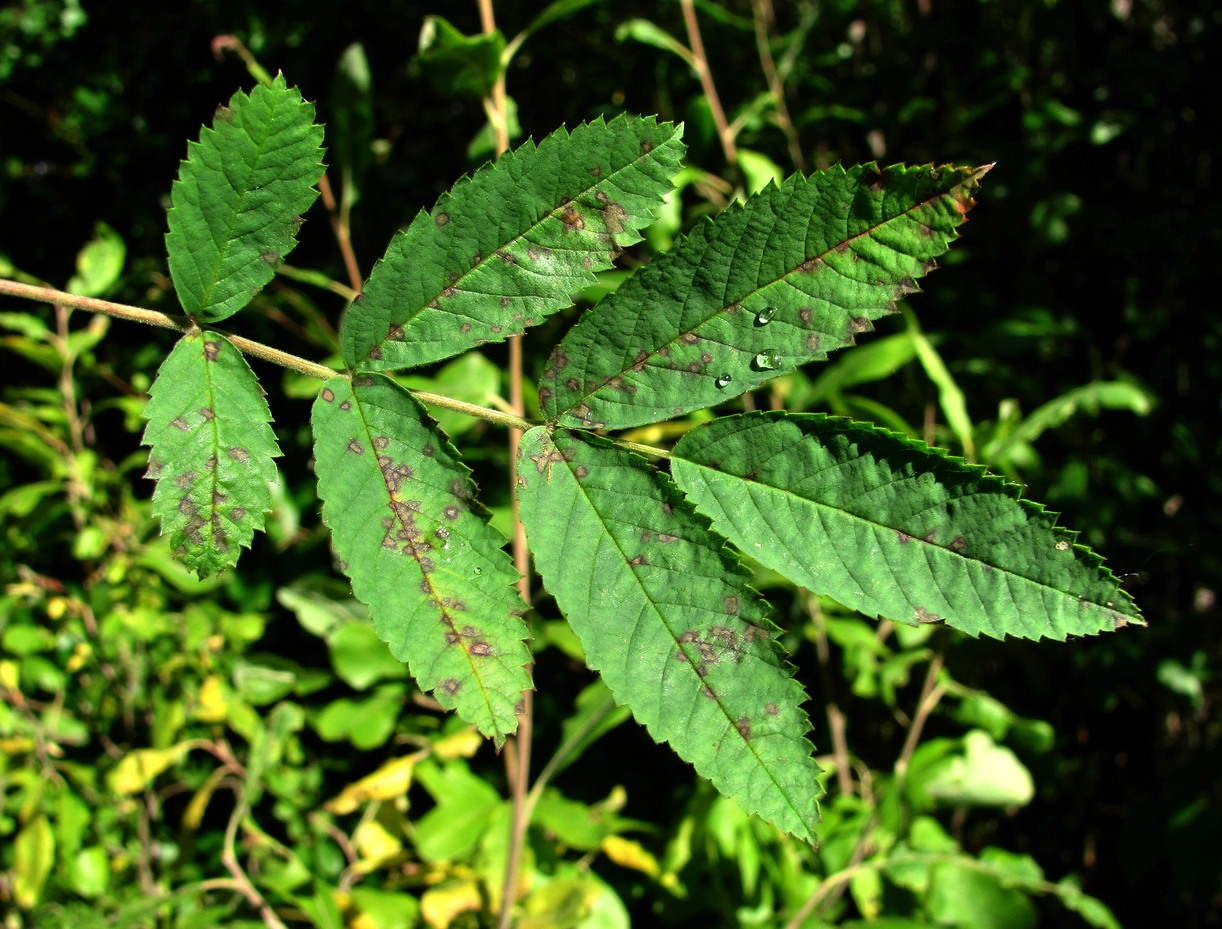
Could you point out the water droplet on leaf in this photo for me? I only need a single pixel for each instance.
(764, 316)
(724, 380)
(767, 360)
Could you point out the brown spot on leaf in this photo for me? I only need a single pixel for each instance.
(480, 649)
(395, 333)
(572, 218)
(271, 259)
(237, 514)
(689, 338)
(179, 423)
(731, 605)
(904, 537)
(637, 561)
(923, 615)
(212, 349)
(185, 480)
(860, 324)
(451, 686)
(581, 471)
(451, 512)
(346, 405)
(743, 725)
(772, 709)
(666, 537)
(328, 395)
(356, 447)
(442, 218)
(958, 544)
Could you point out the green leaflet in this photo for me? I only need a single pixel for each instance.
(212, 451)
(511, 245)
(400, 506)
(665, 614)
(892, 528)
(238, 200)
(794, 273)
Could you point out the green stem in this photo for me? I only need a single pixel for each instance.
(273, 355)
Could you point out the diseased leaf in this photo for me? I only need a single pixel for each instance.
(890, 527)
(666, 615)
(400, 506)
(238, 200)
(791, 275)
(506, 248)
(212, 451)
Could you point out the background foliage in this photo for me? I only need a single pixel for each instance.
(148, 719)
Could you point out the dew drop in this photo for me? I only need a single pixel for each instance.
(724, 380)
(764, 316)
(767, 360)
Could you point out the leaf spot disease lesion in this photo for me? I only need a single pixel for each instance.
(178, 422)
(356, 447)
(442, 218)
(923, 615)
(743, 725)
(238, 454)
(212, 350)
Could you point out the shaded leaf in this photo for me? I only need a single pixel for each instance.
(212, 451)
(890, 527)
(794, 273)
(510, 245)
(238, 200)
(458, 65)
(666, 615)
(400, 506)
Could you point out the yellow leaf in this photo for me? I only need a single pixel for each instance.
(213, 701)
(33, 855)
(9, 675)
(462, 744)
(439, 905)
(375, 845)
(136, 770)
(629, 854)
(388, 782)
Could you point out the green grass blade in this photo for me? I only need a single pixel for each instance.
(237, 203)
(439, 585)
(665, 614)
(891, 527)
(212, 451)
(512, 244)
(791, 275)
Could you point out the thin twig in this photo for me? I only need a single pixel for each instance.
(724, 134)
(931, 693)
(517, 750)
(765, 18)
(340, 227)
(835, 717)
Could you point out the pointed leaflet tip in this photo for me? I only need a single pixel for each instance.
(509, 246)
(820, 257)
(237, 199)
(439, 585)
(212, 451)
(893, 528)
(666, 615)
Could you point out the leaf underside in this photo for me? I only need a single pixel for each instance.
(665, 614)
(439, 585)
(888, 526)
(511, 245)
(791, 275)
(237, 203)
(212, 451)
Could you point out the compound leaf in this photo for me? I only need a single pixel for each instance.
(212, 451)
(237, 203)
(665, 614)
(439, 585)
(888, 526)
(510, 245)
(791, 275)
